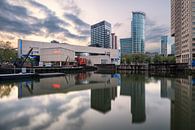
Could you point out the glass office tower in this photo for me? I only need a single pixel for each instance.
(138, 32)
(126, 46)
(164, 43)
(101, 35)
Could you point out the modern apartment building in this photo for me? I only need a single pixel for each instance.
(164, 43)
(138, 32)
(183, 30)
(101, 35)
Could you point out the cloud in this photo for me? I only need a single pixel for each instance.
(28, 114)
(117, 25)
(153, 35)
(11, 19)
(153, 47)
(81, 26)
(76, 20)
(155, 31)
(16, 19)
(71, 6)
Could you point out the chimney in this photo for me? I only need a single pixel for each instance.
(116, 47)
(113, 40)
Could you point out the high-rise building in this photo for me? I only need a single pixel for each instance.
(138, 32)
(126, 46)
(164, 43)
(173, 49)
(183, 29)
(135, 44)
(101, 35)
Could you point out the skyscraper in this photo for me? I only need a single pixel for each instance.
(164, 42)
(173, 49)
(183, 29)
(126, 46)
(138, 32)
(101, 35)
(135, 44)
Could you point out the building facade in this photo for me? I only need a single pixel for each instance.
(126, 46)
(173, 49)
(61, 52)
(101, 35)
(183, 30)
(138, 32)
(164, 43)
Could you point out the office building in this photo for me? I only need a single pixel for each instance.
(138, 32)
(183, 29)
(126, 46)
(173, 49)
(135, 44)
(164, 43)
(101, 35)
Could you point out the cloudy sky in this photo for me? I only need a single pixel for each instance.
(69, 20)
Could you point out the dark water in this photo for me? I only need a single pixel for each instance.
(91, 101)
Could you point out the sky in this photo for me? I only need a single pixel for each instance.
(68, 21)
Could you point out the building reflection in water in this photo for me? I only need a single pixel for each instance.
(103, 88)
(64, 84)
(167, 88)
(181, 92)
(183, 105)
(101, 99)
(134, 86)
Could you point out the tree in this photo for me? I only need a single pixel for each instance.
(158, 59)
(143, 58)
(171, 59)
(134, 58)
(7, 52)
(164, 59)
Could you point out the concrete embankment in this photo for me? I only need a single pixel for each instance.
(164, 67)
(21, 76)
(48, 70)
(15, 74)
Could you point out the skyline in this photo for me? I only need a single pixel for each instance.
(69, 20)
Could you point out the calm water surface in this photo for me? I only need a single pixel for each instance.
(90, 101)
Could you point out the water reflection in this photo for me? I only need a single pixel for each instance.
(101, 99)
(68, 83)
(183, 105)
(134, 86)
(81, 101)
